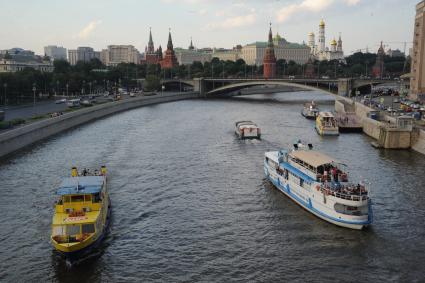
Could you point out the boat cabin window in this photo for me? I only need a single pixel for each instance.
(66, 199)
(87, 198)
(77, 198)
(87, 228)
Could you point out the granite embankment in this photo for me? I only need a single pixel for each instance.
(19, 138)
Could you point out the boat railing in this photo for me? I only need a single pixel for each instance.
(67, 239)
(353, 193)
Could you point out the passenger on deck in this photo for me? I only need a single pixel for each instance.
(335, 174)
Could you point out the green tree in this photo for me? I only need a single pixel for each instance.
(152, 83)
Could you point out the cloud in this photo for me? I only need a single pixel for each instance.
(88, 29)
(352, 2)
(233, 22)
(309, 6)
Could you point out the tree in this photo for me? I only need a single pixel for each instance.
(152, 83)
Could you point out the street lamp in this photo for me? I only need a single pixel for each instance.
(34, 89)
(67, 86)
(162, 89)
(5, 86)
(57, 88)
(90, 87)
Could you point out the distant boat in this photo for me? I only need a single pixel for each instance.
(82, 213)
(310, 111)
(247, 130)
(326, 124)
(320, 185)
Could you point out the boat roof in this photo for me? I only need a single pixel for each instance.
(81, 185)
(245, 122)
(312, 157)
(326, 114)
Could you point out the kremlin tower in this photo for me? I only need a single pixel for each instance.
(170, 60)
(269, 61)
(378, 68)
(152, 56)
(322, 47)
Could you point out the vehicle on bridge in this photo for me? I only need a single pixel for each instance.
(247, 130)
(326, 124)
(310, 110)
(82, 213)
(320, 185)
(73, 102)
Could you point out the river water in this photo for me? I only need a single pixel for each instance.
(191, 203)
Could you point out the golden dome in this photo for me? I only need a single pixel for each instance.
(333, 42)
(322, 23)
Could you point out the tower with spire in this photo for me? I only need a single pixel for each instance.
(269, 60)
(322, 39)
(191, 47)
(152, 56)
(378, 68)
(170, 60)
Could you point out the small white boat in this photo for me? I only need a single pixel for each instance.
(310, 111)
(247, 130)
(320, 185)
(326, 124)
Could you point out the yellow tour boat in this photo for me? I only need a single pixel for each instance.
(326, 124)
(82, 213)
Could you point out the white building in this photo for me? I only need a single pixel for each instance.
(55, 52)
(253, 54)
(320, 51)
(188, 56)
(85, 54)
(227, 54)
(14, 65)
(116, 54)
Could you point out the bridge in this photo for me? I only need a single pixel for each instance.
(211, 87)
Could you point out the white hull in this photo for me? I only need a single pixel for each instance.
(316, 203)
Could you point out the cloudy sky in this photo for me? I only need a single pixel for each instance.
(33, 24)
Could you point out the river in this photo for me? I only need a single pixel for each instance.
(191, 203)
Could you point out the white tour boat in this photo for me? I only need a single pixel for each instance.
(310, 111)
(247, 130)
(320, 185)
(326, 124)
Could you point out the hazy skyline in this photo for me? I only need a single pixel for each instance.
(211, 23)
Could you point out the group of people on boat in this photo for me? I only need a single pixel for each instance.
(358, 189)
(331, 173)
(87, 172)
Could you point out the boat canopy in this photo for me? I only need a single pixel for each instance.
(81, 185)
(314, 158)
(326, 114)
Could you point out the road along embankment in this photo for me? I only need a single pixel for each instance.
(19, 138)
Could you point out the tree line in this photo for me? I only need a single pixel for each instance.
(93, 76)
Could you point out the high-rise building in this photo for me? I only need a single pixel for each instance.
(17, 59)
(116, 54)
(55, 52)
(378, 68)
(85, 54)
(269, 61)
(417, 81)
(169, 61)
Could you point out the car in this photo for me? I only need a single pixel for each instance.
(86, 103)
(60, 101)
(132, 94)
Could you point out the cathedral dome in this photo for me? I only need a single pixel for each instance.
(322, 23)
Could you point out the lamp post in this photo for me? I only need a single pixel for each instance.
(90, 83)
(34, 89)
(83, 87)
(162, 89)
(67, 86)
(57, 88)
(5, 99)
(222, 64)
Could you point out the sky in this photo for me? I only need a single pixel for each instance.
(33, 24)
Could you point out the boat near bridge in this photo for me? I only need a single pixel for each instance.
(320, 185)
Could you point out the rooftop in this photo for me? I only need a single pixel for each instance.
(81, 185)
(312, 157)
